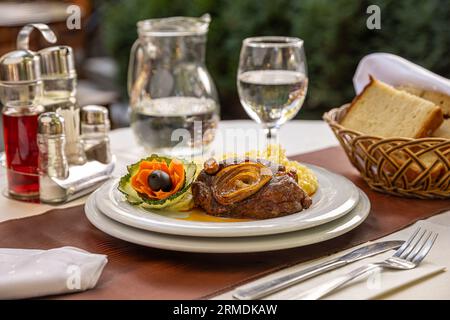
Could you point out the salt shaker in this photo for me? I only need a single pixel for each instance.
(52, 159)
(94, 133)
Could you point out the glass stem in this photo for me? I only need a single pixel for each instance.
(271, 135)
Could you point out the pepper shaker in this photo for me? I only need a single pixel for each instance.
(52, 159)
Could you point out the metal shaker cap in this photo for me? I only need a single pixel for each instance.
(57, 61)
(93, 114)
(51, 123)
(19, 65)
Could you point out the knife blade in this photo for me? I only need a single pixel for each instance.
(271, 286)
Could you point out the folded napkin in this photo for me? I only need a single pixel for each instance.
(377, 284)
(35, 273)
(396, 71)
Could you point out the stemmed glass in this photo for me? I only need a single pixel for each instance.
(272, 80)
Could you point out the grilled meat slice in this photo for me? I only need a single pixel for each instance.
(280, 196)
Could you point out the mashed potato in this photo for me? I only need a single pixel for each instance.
(275, 153)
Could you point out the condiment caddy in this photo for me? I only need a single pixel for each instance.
(54, 151)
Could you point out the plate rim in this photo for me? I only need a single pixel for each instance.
(261, 227)
(349, 221)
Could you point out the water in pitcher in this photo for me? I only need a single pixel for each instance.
(176, 126)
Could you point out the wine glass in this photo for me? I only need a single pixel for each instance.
(272, 81)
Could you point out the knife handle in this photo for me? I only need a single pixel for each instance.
(271, 286)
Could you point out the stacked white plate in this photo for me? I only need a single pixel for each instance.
(338, 207)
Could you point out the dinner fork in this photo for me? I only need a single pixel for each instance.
(407, 257)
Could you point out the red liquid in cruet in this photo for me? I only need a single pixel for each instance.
(21, 149)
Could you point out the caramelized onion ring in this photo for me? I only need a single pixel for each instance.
(238, 182)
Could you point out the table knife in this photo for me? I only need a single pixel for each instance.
(271, 286)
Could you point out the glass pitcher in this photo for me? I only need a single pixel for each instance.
(173, 100)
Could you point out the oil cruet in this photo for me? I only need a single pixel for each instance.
(21, 93)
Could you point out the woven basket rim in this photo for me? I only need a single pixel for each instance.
(327, 117)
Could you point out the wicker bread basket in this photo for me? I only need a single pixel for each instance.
(418, 168)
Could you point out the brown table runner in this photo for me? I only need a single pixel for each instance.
(136, 272)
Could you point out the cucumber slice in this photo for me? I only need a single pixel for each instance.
(135, 198)
(184, 203)
(130, 194)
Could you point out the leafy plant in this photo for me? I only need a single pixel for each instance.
(335, 34)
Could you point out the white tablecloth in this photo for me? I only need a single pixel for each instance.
(296, 136)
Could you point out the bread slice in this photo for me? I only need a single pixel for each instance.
(410, 89)
(381, 110)
(444, 130)
(440, 99)
(443, 101)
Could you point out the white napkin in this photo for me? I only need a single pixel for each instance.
(396, 71)
(34, 273)
(377, 284)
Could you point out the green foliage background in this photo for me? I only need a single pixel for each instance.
(335, 34)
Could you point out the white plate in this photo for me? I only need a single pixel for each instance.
(335, 197)
(229, 245)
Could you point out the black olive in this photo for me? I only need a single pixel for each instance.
(154, 181)
(159, 180)
(166, 182)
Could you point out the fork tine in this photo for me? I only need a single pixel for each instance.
(413, 244)
(406, 243)
(420, 244)
(426, 248)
